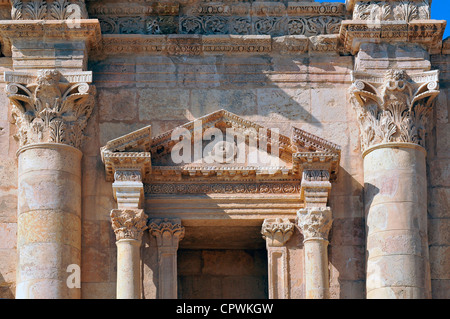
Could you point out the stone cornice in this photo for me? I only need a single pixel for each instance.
(84, 29)
(425, 32)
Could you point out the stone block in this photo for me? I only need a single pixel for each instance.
(117, 105)
(163, 104)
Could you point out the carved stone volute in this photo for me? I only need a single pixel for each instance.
(50, 107)
(393, 107)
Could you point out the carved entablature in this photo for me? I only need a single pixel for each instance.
(391, 21)
(50, 106)
(221, 17)
(393, 107)
(222, 153)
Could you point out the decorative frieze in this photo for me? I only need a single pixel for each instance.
(315, 222)
(393, 107)
(49, 108)
(128, 223)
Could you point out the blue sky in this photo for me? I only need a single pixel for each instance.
(440, 10)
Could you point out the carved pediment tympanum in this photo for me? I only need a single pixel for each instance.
(220, 147)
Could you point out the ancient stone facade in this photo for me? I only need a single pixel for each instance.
(228, 149)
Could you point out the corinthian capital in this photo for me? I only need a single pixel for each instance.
(50, 107)
(168, 232)
(128, 223)
(315, 222)
(393, 107)
(277, 231)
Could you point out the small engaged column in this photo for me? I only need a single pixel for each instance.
(315, 223)
(128, 225)
(168, 233)
(277, 232)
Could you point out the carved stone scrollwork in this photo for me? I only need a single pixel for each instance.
(128, 223)
(394, 107)
(48, 109)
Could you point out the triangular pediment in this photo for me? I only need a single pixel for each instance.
(226, 146)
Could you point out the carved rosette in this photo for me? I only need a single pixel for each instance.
(168, 232)
(277, 231)
(128, 223)
(49, 108)
(315, 222)
(394, 107)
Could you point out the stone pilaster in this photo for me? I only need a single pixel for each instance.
(128, 225)
(168, 233)
(277, 232)
(315, 223)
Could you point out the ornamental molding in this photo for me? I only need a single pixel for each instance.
(389, 10)
(277, 231)
(87, 30)
(393, 107)
(128, 223)
(315, 222)
(186, 44)
(49, 107)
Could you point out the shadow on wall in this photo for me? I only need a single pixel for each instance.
(6, 288)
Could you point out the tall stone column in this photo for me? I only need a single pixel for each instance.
(315, 223)
(168, 233)
(392, 111)
(129, 225)
(50, 111)
(277, 232)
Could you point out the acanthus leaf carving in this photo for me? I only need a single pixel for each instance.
(50, 110)
(394, 107)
